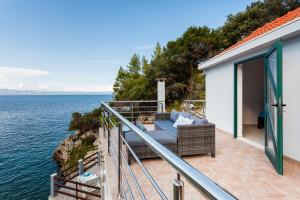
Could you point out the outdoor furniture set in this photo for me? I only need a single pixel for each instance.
(195, 136)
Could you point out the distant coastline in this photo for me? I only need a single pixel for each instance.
(9, 92)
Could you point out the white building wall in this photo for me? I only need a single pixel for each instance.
(220, 93)
(219, 96)
(291, 96)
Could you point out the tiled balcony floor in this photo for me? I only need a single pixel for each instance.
(240, 168)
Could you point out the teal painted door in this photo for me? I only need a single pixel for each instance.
(273, 107)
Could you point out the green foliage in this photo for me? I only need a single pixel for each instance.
(86, 122)
(174, 105)
(178, 60)
(256, 15)
(79, 152)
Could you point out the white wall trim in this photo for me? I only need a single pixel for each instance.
(284, 31)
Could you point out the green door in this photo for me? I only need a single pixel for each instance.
(273, 106)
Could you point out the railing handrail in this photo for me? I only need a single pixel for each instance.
(135, 101)
(194, 100)
(202, 183)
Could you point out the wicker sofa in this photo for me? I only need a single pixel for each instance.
(191, 139)
(184, 140)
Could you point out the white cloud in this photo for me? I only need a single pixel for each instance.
(32, 79)
(144, 47)
(20, 78)
(21, 72)
(88, 88)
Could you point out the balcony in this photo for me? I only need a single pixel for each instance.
(239, 169)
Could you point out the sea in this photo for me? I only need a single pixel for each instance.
(31, 127)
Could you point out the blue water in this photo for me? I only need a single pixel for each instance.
(31, 127)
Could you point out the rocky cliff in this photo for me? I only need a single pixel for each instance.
(62, 153)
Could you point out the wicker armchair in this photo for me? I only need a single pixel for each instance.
(192, 139)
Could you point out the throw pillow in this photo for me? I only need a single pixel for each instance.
(200, 121)
(182, 121)
(174, 115)
(185, 115)
(141, 126)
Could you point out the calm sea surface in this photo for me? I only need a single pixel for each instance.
(31, 127)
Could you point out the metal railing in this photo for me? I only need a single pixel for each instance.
(200, 182)
(133, 110)
(74, 189)
(195, 107)
(63, 183)
(73, 171)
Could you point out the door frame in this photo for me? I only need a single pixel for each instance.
(235, 99)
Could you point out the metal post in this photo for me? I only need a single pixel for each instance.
(104, 130)
(80, 167)
(76, 191)
(102, 179)
(120, 196)
(108, 133)
(132, 112)
(177, 190)
(98, 158)
(52, 185)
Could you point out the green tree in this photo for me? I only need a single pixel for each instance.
(134, 66)
(256, 15)
(178, 60)
(86, 122)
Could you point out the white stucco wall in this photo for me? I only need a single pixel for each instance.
(291, 96)
(220, 93)
(219, 96)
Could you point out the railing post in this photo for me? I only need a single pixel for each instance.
(120, 196)
(52, 185)
(102, 179)
(132, 112)
(161, 107)
(76, 191)
(108, 132)
(98, 158)
(80, 167)
(178, 190)
(204, 106)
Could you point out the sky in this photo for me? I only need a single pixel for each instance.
(76, 45)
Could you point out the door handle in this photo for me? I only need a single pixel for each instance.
(276, 105)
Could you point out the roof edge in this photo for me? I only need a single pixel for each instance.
(262, 39)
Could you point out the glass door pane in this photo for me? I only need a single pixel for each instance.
(273, 106)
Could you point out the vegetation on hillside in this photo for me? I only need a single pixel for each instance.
(177, 61)
(85, 122)
(79, 152)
